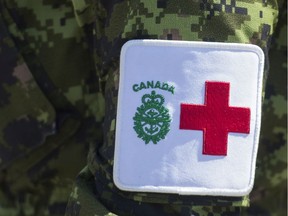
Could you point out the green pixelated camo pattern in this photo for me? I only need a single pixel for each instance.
(225, 21)
(55, 76)
(50, 105)
(269, 196)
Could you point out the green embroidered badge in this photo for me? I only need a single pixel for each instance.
(152, 119)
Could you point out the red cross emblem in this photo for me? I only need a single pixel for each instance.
(215, 118)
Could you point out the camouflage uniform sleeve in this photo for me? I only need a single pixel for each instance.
(111, 24)
(21, 117)
(269, 196)
(50, 105)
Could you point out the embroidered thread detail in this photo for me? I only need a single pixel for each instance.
(152, 119)
(153, 85)
(215, 118)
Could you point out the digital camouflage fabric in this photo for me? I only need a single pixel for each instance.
(49, 103)
(55, 76)
(115, 22)
(269, 196)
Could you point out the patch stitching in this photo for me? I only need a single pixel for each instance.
(202, 45)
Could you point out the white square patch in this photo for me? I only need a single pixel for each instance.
(188, 117)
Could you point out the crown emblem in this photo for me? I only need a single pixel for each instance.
(152, 119)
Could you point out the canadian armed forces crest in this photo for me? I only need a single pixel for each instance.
(152, 119)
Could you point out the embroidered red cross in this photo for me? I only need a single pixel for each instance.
(215, 118)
